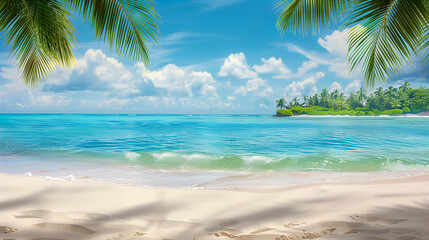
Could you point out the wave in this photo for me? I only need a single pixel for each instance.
(255, 163)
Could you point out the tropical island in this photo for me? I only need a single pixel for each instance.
(389, 101)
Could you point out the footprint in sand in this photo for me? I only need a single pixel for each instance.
(65, 227)
(291, 224)
(364, 217)
(225, 234)
(6, 230)
(308, 235)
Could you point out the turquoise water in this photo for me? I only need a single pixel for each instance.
(165, 148)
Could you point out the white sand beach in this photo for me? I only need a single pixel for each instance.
(34, 208)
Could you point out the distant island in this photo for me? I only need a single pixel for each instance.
(389, 101)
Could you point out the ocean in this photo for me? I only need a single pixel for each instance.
(212, 151)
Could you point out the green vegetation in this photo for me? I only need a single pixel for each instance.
(284, 112)
(389, 101)
(384, 36)
(41, 35)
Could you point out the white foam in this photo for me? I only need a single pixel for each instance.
(161, 156)
(49, 178)
(250, 159)
(131, 155)
(196, 156)
(28, 174)
(71, 178)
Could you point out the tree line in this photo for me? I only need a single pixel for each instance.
(416, 100)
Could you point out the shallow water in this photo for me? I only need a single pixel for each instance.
(212, 150)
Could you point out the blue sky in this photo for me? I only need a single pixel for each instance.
(223, 56)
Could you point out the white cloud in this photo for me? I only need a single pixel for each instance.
(354, 86)
(241, 91)
(336, 60)
(257, 86)
(303, 88)
(230, 98)
(335, 43)
(305, 68)
(94, 72)
(176, 81)
(236, 65)
(335, 86)
(273, 65)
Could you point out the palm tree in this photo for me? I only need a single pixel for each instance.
(316, 99)
(295, 101)
(395, 103)
(281, 103)
(384, 35)
(306, 101)
(379, 92)
(361, 94)
(405, 86)
(335, 94)
(41, 35)
(324, 97)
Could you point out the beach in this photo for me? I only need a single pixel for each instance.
(35, 208)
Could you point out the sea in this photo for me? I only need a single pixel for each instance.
(212, 151)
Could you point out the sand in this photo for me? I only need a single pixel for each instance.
(34, 208)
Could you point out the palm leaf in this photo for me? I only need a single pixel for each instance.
(40, 34)
(386, 35)
(303, 15)
(128, 26)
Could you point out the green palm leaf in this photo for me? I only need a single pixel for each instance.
(386, 36)
(303, 15)
(127, 25)
(40, 34)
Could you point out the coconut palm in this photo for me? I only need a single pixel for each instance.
(281, 103)
(384, 37)
(395, 103)
(41, 35)
(361, 96)
(324, 98)
(405, 86)
(295, 101)
(335, 94)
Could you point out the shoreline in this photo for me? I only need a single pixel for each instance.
(353, 116)
(236, 181)
(34, 208)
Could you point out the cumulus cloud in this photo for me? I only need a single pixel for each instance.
(305, 67)
(257, 86)
(335, 43)
(102, 84)
(236, 65)
(335, 86)
(230, 98)
(303, 88)
(96, 72)
(353, 86)
(176, 81)
(273, 65)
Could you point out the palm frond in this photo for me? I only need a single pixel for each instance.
(40, 34)
(303, 15)
(128, 26)
(385, 37)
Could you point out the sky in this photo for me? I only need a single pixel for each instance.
(213, 57)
